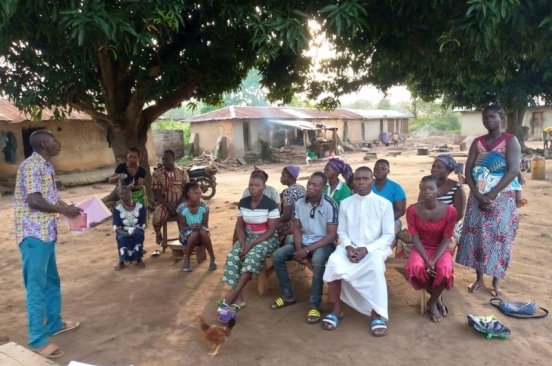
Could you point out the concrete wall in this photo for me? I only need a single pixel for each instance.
(84, 146)
(371, 129)
(471, 124)
(168, 140)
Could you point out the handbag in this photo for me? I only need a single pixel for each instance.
(520, 310)
(490, 326)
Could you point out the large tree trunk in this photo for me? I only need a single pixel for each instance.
(514, 125)
(121, 139)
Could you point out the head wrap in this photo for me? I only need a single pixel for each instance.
(449, 162)
(342, 167)
(293, 170)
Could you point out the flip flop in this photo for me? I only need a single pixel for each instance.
(377, 324)
(212, 266)
(67, 326)
(496, 292)
(51, 350)
(155, 253)
(313, 316)
(281, 303)
(330, 321)
(474, 287)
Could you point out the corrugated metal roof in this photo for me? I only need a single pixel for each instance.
(10, 113)
(281, 113)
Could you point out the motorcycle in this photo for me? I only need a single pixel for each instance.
(205, 178)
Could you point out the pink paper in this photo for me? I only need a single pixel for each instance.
(95, 210)
(78, 223)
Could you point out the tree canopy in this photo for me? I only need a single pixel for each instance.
(126, 62)
(469, 53)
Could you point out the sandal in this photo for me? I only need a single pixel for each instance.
(378, 327)
(51, 350)
(330, 321)
(226, 313)
(119, 267)
(474, 287)
(212, 266)
(313, 316)
(187, 267)
(68, 325)
(155, 253)
(281, 303)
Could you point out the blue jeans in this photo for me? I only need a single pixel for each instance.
(42, 284)
(319, 257)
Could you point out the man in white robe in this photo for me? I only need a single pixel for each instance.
(355, 272)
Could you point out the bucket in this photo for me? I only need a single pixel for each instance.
(538, 168)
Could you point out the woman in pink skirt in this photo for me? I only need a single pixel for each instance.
(431, 225)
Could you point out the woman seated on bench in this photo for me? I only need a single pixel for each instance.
(429, 266)
(193, 221)
(256, 229)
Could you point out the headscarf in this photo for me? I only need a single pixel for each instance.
(293, 170)
(342, 167)
(449, 162)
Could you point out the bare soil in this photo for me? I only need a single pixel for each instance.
(145, 316)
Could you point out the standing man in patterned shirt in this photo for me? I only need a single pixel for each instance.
(36, 207)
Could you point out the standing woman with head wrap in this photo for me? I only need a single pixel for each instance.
(336, 189)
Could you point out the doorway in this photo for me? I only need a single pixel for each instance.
(246, 136)
(26, 134)
(537, 123)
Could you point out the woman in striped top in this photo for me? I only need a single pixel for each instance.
(255, 228)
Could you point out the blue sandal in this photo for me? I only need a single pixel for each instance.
(330, 321)
(378, 327)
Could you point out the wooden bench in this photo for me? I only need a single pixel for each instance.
(178, 251)
(391, 262)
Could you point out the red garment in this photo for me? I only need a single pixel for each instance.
(430, 233)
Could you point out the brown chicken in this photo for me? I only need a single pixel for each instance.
(215, 335)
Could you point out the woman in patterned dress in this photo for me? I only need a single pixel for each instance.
(129, 219)
(256, 228)
(491, 221)
(193, 220)
(289, 195)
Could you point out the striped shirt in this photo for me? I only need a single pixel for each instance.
(256, 219)
(448, 197)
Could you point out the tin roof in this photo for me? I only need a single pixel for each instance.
(11, 114)
(281, 113)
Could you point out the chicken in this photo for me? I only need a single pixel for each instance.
(215, 335)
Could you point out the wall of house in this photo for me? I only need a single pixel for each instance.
(168, 140)
(471, 123)
(209, 132)
(371, 129)
(535, 127)
(84, 146)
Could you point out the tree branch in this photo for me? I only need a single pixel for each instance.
(153, 112)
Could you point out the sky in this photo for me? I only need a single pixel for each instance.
(395, 95)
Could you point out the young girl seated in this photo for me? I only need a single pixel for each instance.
(193, 220)
(129, 218)
(429, 266)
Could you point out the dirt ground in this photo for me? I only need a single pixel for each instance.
(145, 316)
